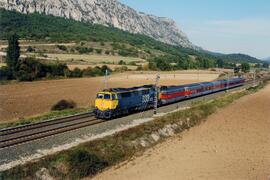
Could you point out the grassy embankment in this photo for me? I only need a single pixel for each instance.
(93, 157)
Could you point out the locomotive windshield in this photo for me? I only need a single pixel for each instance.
(100, 96)
(107, 96)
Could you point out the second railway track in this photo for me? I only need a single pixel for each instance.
(22, 134)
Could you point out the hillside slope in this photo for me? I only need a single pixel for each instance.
(239, 58)
(108, 13)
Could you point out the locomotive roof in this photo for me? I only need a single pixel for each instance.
(121, 90)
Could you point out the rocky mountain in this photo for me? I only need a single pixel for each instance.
(108, 13)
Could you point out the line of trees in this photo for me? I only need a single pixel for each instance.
(173, 62)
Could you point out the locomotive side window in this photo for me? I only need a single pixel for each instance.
(113, 97)
(107, 96)
(100, 96)
(127, 94)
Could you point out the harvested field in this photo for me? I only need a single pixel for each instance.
(233, 143)
(31, 98)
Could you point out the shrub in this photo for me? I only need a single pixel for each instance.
(5, 73)
(82, 43)
(76, 72)
(56, 69)
(62, 47)
(98, 51)
(121, 69)
(107, 52)
(30, 49)
(82, 163)
(132, 63)
(63, 104)
(84, 50)
(88, 72)
(139, 68)
(29, 69)
(121, 62)
(104, 68)
(97, 71)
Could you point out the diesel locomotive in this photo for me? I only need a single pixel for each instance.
(116, 102)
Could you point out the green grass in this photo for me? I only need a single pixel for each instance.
(46, 116)
(89, 158)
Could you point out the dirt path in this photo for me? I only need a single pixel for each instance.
(30, 98)
(234, 144)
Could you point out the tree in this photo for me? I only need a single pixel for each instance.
(245, 67)
(13, 54)
(220, 63)
(265, 65)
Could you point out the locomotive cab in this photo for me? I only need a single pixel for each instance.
(105, 104)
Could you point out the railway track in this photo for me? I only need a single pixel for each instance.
(26, 133)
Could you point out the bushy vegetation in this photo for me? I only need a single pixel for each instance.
(30, 49)
(63, 104)
(30, 69)
(82, 163)
(62, 47)
(245, 67)
(171, 62)
(99, 51)
(84, 50)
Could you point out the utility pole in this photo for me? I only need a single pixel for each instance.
(227, 88)
(106, 79)
(254, 78)
(156, 94)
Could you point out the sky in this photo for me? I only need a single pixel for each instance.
(226, 26)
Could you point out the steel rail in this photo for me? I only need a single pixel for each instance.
(47, 133)
(50, 122)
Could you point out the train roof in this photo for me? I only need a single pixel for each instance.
(122, 90)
